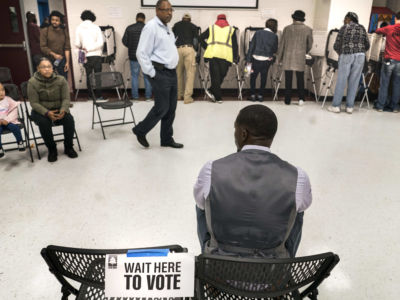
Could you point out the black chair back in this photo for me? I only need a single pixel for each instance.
(5, 75)
(221, 277)
(86, 266)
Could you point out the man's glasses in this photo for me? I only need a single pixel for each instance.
(167, 9)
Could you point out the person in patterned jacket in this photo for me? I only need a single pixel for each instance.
(351, 44)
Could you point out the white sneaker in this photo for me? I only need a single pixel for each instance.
(149, 99)
(335, 109)
(349, 110)
(219, 101)
(211, 96)
(301, 102)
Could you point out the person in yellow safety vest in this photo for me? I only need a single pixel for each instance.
(221, 51)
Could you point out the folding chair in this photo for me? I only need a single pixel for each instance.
(226, 277)
(110, 80)
(24, 89)
(84, 266)
(5, 75)
(12, 91)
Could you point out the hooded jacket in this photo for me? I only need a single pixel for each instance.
(46, 94)
(88, 35)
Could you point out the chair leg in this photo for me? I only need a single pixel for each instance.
(34, 139)
(77, 140)
(101, 123)
(133, 118)
(123, 117)
(93, 116)
(27, 142)
(313, 295)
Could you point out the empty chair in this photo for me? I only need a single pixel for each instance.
(58, 137)
(227, 277)
(84, 266)
(5, 75)
(12, 92)
(110, 80)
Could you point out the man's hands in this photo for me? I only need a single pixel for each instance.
(55, 115)
(3, 122)
(57, 56)
(66, 67)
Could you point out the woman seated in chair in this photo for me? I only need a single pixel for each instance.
(48, 94)
(9, 119)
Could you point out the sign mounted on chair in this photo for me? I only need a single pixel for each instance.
(149, 273)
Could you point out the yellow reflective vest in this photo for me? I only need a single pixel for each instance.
(220, 43)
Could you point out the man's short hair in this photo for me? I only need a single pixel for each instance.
(259, 120)
(140, 16)
(398, 15)
(88, 15)
(56, 13)
(272, 24)
(159, 2)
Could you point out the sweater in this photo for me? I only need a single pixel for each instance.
(89, 36)
(392, 48)
(9, 110)
(56, 40)
(352, 38)
(46, 94)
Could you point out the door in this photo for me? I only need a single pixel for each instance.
(13, 52)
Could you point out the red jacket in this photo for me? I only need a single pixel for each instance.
(392, 48)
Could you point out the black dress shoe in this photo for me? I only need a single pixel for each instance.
(71, 153)
(172, 144)
(52, 156)
(141, 139)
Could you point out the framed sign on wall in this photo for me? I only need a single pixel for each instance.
(247, 4)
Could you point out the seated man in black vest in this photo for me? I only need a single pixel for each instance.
(252, 203)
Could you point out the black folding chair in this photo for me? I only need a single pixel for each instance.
(58, 137)
(5, 75)
(84, 266)
(110, 80)
(12, 91)
(222, 277)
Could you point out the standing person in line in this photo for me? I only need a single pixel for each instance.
(391, 65)
(158, 57)
(131, 40)
(221, 51)
(54, 43)
(186, 39)
(262, 49)
(351, 44)
(34, 38)
(296, 42)
(89, 38)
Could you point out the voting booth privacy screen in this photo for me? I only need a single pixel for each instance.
(208, 3)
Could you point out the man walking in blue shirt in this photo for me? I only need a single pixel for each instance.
(158, 57)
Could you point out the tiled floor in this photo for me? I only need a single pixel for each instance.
(119, 195)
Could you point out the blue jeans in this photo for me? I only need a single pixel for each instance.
(350, 68)
(14, 129)
(386, 73)
(135, 70)
(60, 68)
(292, 243)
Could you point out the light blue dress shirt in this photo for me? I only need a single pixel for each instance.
(157, 43)
(203, 184)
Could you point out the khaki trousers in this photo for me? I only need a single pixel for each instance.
(186, 64)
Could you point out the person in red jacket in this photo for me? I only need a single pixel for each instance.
(391, 66)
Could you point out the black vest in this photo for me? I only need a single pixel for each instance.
(251, 207)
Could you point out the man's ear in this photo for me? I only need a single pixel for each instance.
(244, 134)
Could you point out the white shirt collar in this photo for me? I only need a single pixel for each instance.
(267, 29)
(256, 147)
